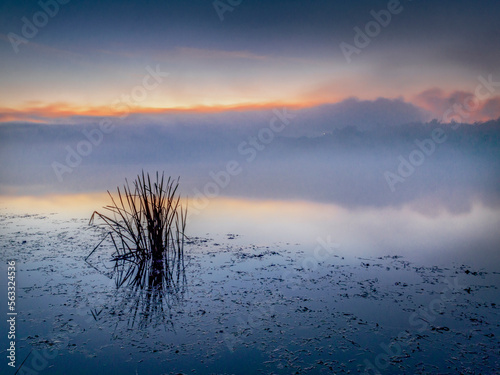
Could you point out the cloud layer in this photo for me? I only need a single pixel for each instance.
(319, 154)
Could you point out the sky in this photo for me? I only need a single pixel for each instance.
(189, 85)
(68, 60)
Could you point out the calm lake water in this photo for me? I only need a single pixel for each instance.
(395, 290)
(434, 237)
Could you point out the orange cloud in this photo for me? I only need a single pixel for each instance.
(435, 101)
(463, 103)
(43, 112)
(37, 112)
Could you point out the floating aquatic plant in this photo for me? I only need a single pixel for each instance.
(147, 225)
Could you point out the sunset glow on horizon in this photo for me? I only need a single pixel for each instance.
(83, 63)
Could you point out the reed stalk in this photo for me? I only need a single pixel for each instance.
(147, 223)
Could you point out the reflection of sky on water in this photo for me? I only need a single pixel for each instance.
(253, 306)
(443, 238)
(471, 237)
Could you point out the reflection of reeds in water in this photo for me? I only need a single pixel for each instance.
(147, 225)
(148, 295)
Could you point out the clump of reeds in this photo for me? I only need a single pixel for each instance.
(147, 224)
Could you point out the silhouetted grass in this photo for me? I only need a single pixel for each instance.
(147, 224)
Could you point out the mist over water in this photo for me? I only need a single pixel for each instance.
(427, 191)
